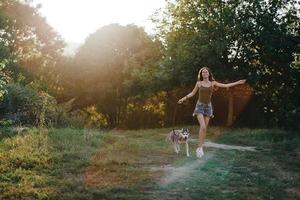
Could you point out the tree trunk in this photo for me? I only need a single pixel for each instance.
(230, 109)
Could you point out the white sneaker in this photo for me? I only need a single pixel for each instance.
(199, 152)
(202, 152)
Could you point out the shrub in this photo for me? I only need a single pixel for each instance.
(24, 105)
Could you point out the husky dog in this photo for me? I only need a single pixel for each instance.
(178, 137)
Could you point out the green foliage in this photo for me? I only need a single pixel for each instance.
(6, 122)
(146, 112)
(120, 68)
(115, 63)
(253, 39)
(4, 78)
(27, 106)
(29, 47)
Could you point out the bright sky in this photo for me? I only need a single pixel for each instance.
(74, 20)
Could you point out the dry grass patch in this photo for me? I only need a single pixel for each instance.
(125, 157)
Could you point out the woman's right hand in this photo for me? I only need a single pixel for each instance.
(181, 100)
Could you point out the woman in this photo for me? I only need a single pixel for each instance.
(203, 109)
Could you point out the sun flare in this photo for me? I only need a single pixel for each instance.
(75, 20)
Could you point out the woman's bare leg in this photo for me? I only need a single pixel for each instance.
(206, 119)
(202, 130)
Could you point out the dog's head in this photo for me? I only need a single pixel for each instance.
(184, 134)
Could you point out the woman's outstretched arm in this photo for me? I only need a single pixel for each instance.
(191, 94)
(228, 85)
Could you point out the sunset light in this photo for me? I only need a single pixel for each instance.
(75, 20)
(149, 99)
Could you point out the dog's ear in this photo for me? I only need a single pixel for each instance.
(174, 132)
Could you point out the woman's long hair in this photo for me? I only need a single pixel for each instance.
(210, 77)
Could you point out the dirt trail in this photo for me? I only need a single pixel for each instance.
(225, 146)
(177, 174)
(229, 147)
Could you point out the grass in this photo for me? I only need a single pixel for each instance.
(94, 164)
(41, 163)
(235, 175)
(270, 173)
(24, 162)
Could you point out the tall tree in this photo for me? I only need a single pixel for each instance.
(29, 48)
(32, 46)
(108, 67)
(254, 39)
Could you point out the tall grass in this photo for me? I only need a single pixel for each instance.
(25, 161)
(38, 163)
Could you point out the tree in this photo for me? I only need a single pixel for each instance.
(254, 39)
(29, 48)
(30, 45)
(110, 67)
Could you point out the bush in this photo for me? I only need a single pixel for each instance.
(24, 105)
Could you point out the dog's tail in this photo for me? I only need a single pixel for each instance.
(169, 136)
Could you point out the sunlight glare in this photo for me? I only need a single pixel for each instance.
(75, 20)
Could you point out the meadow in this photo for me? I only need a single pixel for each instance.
(140, 164)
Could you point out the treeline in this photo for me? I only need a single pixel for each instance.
(123, 77)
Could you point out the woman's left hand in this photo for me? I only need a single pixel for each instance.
(242, 81)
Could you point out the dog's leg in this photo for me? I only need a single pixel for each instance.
(178, 147)
(187, 149)
(175, 148)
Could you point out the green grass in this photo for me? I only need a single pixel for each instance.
(270, 173)
(262, 138)
(236, 175)
(94, 164)
(25, 161)
(41, 163)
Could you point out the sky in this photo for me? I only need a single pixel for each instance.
(74, 20)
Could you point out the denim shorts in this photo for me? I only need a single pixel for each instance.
(204, 109)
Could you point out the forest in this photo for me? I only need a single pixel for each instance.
(123, 77)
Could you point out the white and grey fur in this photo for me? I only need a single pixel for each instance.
(178, 137)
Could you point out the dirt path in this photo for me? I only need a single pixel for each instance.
(187, 168)
(175, 174)
(171, 175)
(229, 147)
(225, 146)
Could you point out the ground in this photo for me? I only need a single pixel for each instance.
(141, 164)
